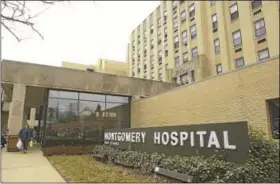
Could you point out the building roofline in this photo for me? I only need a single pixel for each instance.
(77, 70)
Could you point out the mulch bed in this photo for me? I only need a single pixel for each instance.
(69, 150)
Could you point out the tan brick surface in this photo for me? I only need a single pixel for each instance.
(233, 96)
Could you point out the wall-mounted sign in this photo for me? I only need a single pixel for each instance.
(230, 139)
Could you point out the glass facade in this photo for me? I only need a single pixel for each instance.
(76, 118)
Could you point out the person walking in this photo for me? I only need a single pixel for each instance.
(25, 136)
(34, 136)
(3, 141)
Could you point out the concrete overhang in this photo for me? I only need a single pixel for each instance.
(70, 79)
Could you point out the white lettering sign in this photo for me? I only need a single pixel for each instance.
(208, 139)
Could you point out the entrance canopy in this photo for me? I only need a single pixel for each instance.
(70, 79)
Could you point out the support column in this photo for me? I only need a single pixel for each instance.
(32, 117)
(16, 109)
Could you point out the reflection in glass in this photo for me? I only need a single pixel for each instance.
(67, 110)
(92, 97)
(111, 109)
(118, 99)
(69, 95)
(88, 108)
(54, 93)
(52, 111)
(63, 94)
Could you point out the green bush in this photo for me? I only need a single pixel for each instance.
(261, 167)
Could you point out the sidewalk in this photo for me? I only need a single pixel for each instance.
(30, 167)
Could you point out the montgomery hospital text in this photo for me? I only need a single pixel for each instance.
(174, 138)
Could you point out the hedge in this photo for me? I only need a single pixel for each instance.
(261, 167)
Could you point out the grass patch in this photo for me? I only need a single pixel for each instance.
(83, 168)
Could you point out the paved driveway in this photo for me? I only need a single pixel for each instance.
(30, 167)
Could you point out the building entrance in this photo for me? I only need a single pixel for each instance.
(77, 119)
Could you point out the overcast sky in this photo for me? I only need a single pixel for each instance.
(78, 32)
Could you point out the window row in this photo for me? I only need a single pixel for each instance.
(259, 31)
(239, 62)
(254, 4)
(185, 57)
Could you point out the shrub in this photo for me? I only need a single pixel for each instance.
(262, 165)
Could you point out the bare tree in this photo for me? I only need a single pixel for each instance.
(16, 13)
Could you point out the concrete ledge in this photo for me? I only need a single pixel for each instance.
(71, 79)
(173, 174)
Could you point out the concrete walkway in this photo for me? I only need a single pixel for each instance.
(30, 167)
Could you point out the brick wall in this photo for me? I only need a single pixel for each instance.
(233, 96)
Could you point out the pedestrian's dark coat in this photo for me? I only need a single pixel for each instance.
(25, 134)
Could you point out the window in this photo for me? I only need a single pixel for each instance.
(256, 4)
(166, 50)
(152, 58)
(152, 29)
(175, 22)
(145, 67)
(263, 54)
(185, 57)
(259, 28)
(166, 53)
(181, 2)
(212, 2)
(174, 4)
(219, 68)
(159, 38)
(192, 10)
(217, 45)
(234, 12)
(237, 38)
(177, 61)
(184, 78)
(160, 71)
(165, 16)
(214, 21)
(159, 22)
(194, 53)
(184, 37)
(192, 76)
(183, 16)
(273, 107)
(160, 77)
(176, 42)
(239, 62)
(152, 43)
(193, 31)
(160, 57)
(165, 33)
